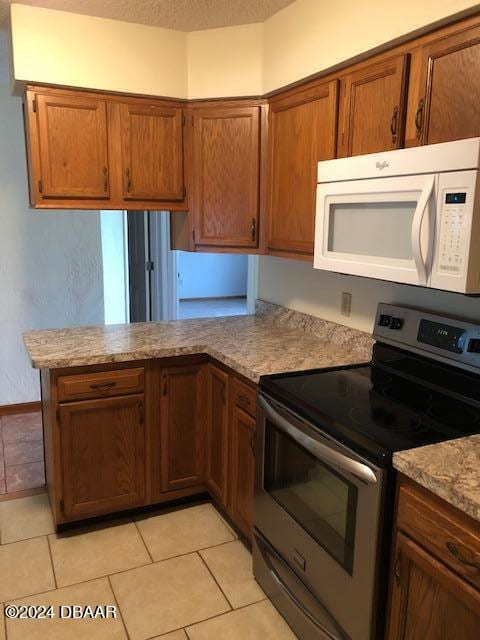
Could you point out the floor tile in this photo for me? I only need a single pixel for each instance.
(25, 518)
(23, 451)
(167, 595)
(212, 308)
(179, 532)
(231, 564)
(259, 621)
(80, 556)
(90, 593)
(22, 426)
(25, 568)
(25, 476)
(175, 635)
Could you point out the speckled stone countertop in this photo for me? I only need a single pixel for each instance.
(272, 341)
(449, 469)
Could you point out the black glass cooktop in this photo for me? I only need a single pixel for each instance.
(399, 401)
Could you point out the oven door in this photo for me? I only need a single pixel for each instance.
(317, 511)
(380, 228)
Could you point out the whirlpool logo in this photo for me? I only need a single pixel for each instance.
(382, 165)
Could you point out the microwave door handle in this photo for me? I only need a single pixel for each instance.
(321, 451)
(419, 214)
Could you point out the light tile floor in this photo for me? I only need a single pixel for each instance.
(21, 452)
(182, 575)
(212, 308)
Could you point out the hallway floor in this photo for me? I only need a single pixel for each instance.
(21, 452)
(212, 308)
(181, 575)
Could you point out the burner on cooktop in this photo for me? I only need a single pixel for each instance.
(416, 396)
(401, 419)
(454, 414)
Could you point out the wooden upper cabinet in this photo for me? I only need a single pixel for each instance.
(73, 147)
(182, 424)
(373, 108)
(428, 600)
(226, 150)
(152, 152)
(103, 455)
(448, 106)
(302, 131)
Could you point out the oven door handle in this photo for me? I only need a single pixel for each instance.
(358, 469)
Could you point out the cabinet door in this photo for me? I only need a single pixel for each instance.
(152, 152)
(242, 469)
(217, 433)
(226, 147)
(73, 149)
(428, 600)
(182, 420)
(302, 131)
(103, 455)
(448, 106)
(374, 108)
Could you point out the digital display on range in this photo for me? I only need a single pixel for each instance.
(443, 336)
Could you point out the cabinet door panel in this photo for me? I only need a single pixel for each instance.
(302, 131)
(152, 152)
(242, 469)
(103, 455)
(226, 147)
(72, 135)
(217, 433)
(450, 76)
(182, 426)
(428, 600)
(374, 108)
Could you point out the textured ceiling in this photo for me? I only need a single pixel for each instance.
(184, 15)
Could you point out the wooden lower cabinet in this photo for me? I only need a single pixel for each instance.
(182, 426)
(242, 467)
(102, 450)
(218, 433)
(434, 591)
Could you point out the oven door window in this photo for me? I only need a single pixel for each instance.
(319, 498)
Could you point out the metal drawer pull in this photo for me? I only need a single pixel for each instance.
(394, 124)
(356, 468)
(244, 399)
(453, 549)
(103, 385)
(419, 117)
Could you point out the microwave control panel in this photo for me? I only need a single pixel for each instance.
(452, 246)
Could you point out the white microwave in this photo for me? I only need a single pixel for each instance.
(410, 216)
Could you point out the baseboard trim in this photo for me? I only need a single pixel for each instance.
(25, 493)
(22, 407)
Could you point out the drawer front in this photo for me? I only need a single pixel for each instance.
(102, 384)
(245, 397)
(452, 541)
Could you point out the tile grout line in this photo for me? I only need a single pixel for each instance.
(51, 560)
(119, 608)
(143, 541)
(215, 580)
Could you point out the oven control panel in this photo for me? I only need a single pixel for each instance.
(452, 243)
(446, 339)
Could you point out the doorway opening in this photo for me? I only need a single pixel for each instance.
(166, 284)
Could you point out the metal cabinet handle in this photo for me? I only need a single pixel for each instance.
(419, 117)
(105, 179)
(103, 385)
(253, 229)
(456, 553)
(394, 124)
(244, 399)
(397, 568)
(129, 180)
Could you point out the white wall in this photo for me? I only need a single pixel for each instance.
(50, 263)
(65, 48)
(209, 275)
(115, 267)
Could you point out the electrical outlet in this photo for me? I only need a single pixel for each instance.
(346, 307)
